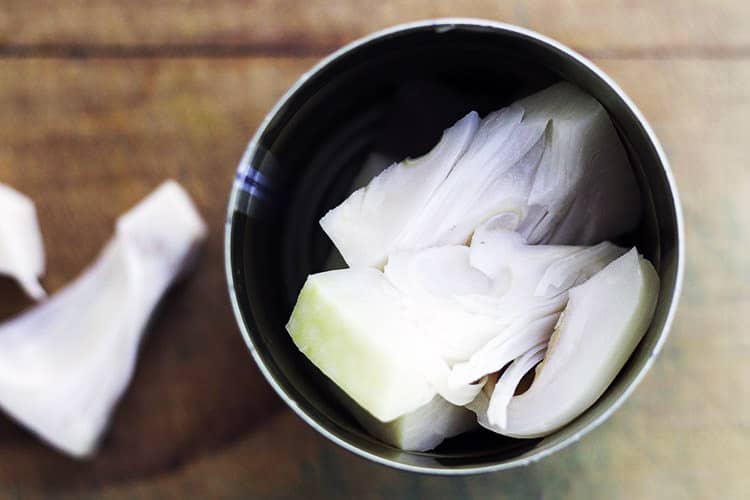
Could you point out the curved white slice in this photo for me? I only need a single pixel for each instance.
(535, 281)
(492, 177)
(21, 246)
(365, 226)
(491, 404)
(436, 273)
(576, 268)
(505, 387)
(432, 282)
(373, 165)
(436, 284)
(584, 190)
(494, 250)
(65, 363)
(507, 346)
(603, 322)
(525, 273)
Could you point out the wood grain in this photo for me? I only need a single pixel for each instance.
(621, 27)
(88, 138)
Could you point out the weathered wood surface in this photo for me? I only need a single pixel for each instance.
(673, 27)
(88, 137)
(87, 140)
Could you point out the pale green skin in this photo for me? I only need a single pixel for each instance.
(348, 324)
(421, 430)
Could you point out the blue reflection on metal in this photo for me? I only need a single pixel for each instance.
(253, 183)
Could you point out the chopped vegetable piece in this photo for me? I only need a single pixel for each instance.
(21, 246)
(65, 363)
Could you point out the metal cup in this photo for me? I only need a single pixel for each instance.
(302, 162)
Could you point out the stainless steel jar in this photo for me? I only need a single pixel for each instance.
(302, 160)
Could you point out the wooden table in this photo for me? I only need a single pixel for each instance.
(102, 100)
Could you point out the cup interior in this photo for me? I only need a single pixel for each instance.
(393, 95)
